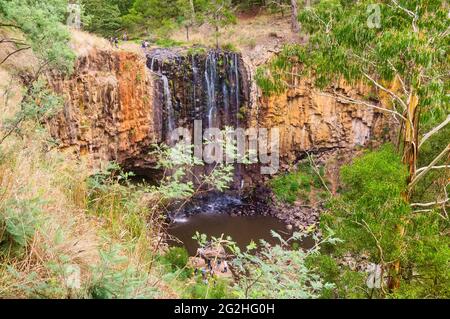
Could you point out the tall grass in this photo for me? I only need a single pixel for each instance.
(66, 231)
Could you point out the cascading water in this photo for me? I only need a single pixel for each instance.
(203, 85)
(236, 84)
(211, 79)
(169, 106)
(226, 102)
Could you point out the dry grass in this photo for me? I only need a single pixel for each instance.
(36, 178)
(254, 36)
(82, 43)
(31, 174)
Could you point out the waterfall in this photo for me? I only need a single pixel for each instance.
(236, 89)
(195, 80)
(211, 77)
(152, 65)
(226, 103)
(169, 106)
(205, 86)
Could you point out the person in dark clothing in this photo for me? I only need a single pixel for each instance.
(116, 42)
(225, 266)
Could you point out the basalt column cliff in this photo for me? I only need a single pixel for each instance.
(117, 104)
(109, 112)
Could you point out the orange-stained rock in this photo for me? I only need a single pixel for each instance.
(109, 112)
(113, 111)
(310, 120)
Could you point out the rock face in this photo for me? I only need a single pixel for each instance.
(116, 106)
(311, 121)
(201, 84)
(109, 112)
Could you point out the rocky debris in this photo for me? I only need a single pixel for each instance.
(356, 263)
(211, 262)
(196, 262)
(210, 252)
(297, 216)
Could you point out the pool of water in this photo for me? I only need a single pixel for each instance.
(243, 229)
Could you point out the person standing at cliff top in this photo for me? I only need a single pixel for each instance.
(125, 36)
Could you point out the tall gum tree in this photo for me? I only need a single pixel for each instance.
(401, 49)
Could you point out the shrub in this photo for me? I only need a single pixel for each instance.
(19, 222)
(229, 47)
(291, 186)
(176, 257)
(115, 278)
(367, 216)
(220, 289)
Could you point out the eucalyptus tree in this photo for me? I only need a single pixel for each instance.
(219, 13)
(187, 14)
(35, 25)
(41, 24)
(401, 49)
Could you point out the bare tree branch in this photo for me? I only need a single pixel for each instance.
(412, 14)
(433, 167)
(12, 53)
(317, 171)
(342, 98)
(431, 203)
(8, 25)
(434, 131)
(378, 85)
(428, 168)
(11, 40)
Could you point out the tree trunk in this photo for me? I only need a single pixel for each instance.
(410, 155)
(410, 152)
(217, 37)
(187, 32)
(294, 16)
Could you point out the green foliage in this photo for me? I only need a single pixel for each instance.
(178, 162)
(371, 207)
(42, 24)
(273, 78)
(289, 187)
(111, 280)
(38, 105)
(103, 16)
(273, 271)
(367, 217)
(19, 222)
(413, 46)
(376, 178)
(177, 257)
(229, 47)
(219, 289)
(160, 17)
(168, 43)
